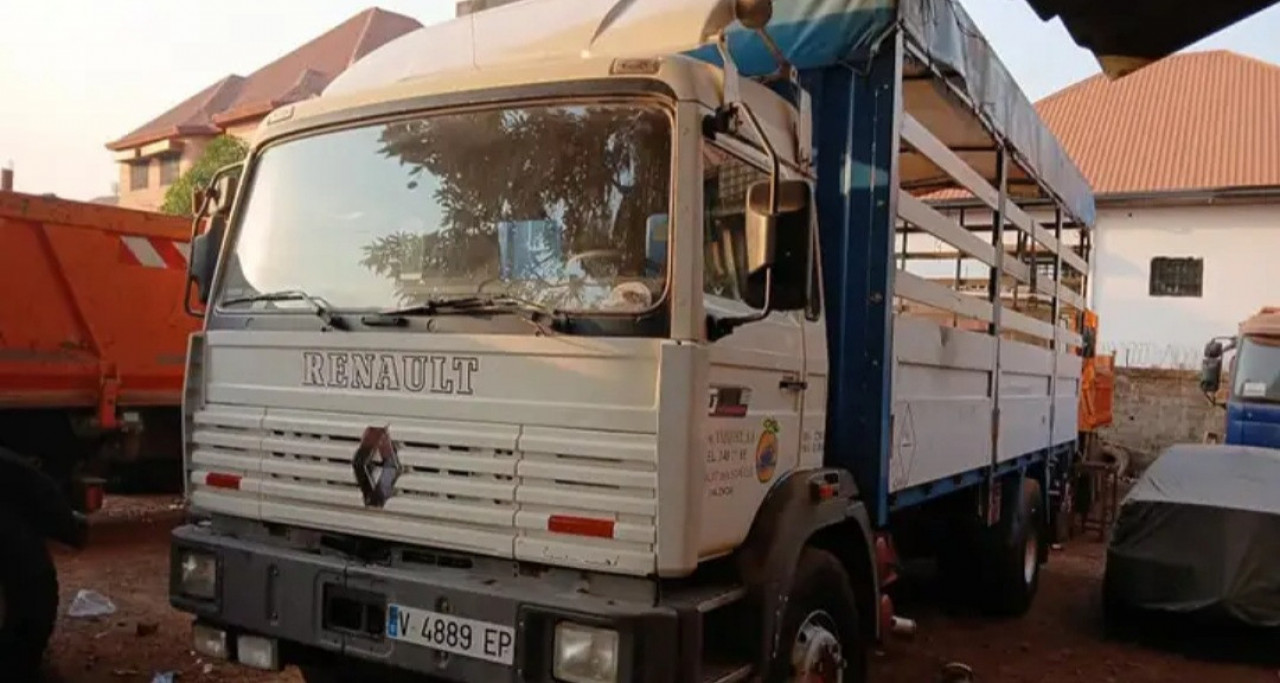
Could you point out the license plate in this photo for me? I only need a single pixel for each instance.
(452, 634)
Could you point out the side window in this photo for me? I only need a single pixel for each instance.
(169, 170)
(725, 179)
(139, 172)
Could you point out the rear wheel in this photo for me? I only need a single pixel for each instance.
(28, 597)
(820, 642)
(996, 570)
(1012, 558)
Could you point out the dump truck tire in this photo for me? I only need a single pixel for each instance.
(28, 597)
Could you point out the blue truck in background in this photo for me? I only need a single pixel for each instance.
(1253, 380)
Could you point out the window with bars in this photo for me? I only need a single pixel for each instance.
(139, 174)
(1181, 277)
(170, 169)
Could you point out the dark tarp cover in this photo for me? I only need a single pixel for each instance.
(1200, 534)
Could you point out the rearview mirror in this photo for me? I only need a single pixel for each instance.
(210, 204)
(204, 260)
(1211, 372)
(224, 188)
(763, 217)
(1213, 349)
(199, 196)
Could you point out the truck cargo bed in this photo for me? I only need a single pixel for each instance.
(92, 307)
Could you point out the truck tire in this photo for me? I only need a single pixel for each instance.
(1012, 556)
(820, 638)
(28, 597)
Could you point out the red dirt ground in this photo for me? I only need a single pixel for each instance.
(1059, 642)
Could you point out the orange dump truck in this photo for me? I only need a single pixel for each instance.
(93, 335)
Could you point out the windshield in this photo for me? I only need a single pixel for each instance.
(1257, 371)
(564, 207)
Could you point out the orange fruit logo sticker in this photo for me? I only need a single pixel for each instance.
(767, 451)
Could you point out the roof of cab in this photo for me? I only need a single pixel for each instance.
(811, 33)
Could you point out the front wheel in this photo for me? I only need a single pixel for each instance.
(28, 597)
(820, 642)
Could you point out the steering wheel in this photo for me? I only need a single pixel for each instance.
(593, 253)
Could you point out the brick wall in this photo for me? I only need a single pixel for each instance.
(1156, 408)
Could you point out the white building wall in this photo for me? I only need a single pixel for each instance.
(1240, 245)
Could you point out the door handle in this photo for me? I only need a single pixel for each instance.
(793, 384)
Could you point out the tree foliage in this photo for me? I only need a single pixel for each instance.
(221, 151)
(594, 173)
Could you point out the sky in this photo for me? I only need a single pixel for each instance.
(75, 74)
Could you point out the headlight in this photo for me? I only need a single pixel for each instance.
(199, 576)
(585, 655)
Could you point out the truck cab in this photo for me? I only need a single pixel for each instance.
(1253, 380)
(566, 341)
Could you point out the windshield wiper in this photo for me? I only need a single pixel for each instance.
(536, 314)
(318, 306)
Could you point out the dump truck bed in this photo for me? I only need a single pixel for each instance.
(92, 313)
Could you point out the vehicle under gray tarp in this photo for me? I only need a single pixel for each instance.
(1200, 535)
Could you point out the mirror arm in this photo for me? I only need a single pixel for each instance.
(775, 165)
(719, 328)
(733, 100)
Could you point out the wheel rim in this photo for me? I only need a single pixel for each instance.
(816, 654)
(1030, 558)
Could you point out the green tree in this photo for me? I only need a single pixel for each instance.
(223, 150)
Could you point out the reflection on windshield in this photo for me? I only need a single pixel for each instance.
(1257, 371)
(563, 206)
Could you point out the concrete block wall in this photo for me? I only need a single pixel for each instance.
(1156, 408)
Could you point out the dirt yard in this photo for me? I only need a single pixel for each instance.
(1059, 642)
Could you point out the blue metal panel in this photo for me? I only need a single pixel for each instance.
(1056, 457)
(856, 148)
(1253, 424)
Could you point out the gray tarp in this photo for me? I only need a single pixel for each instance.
(1200, 534)
(950, 37)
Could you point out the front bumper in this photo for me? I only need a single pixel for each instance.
(320, 605)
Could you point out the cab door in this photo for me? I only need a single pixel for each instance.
(752, 429)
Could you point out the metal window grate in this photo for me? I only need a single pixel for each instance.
(1182, 277)
(139, 174)
(169, 170)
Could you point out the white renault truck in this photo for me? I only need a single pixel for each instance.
(603, 342)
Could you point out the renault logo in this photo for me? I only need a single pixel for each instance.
(377, 466)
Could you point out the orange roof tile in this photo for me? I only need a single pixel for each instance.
(302, 73)
(1194, 121)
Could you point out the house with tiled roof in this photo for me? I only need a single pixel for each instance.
(152, 157)
(1184, 157)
